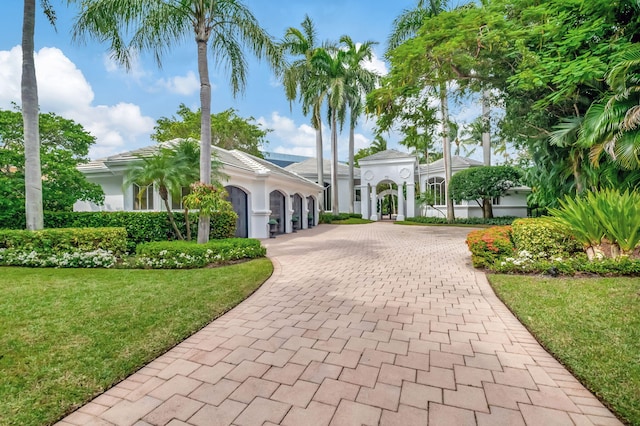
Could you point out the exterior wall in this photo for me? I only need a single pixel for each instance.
(513, 203)
(113, 196)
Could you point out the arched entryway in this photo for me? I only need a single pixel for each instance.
(238, 199)
(311, 207)
(277, 204)
(296, 201)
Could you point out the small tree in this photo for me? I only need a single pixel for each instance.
(481, 184)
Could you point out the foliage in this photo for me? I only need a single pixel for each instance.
(228, 130)
(503, 220)
(330, 217)
(476, 183)
(544, 238)
(185, 255)
(67, 335)
(607, 214)
(70, 259)
(525, 263)
(62, 240)
(64, 145)
(487, 246)
(591, 325)
(209, 199)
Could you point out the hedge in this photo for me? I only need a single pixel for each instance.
(63, 240)
(141, 226)
(186, 254)
(500, 221)
(489, 245)
(330, 217)
(543, 238)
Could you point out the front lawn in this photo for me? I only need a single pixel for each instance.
(591, 325)
(68, 334)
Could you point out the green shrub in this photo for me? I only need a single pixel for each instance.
(526, 264)
(543, 238)
(330, 217)
(496, 221)
(141, 226)
(63, 240)
(489, 245)
(185, 254)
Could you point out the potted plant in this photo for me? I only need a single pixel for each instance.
(294, 222)
(310, 219)
(273, 226)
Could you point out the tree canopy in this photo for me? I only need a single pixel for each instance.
(228, 130)
(64, 145)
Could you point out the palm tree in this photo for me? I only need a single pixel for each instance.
(405, 27)
(30, 115)
(164, 170)
(331, 82)
(157, 25)
(362, 81)
(297, 78)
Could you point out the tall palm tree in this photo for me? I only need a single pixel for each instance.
(362, 81)
(406, 27)
(297, 78)
(331, 82)
(30, 115)
(225, 26)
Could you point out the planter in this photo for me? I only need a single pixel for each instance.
(273, 228)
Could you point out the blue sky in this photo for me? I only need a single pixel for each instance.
(80, 82)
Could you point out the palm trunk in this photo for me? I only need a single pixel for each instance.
(187, 223)
(172, 219)
(335, 208)
(29, 88)
(351, 165)
(446, 147)
(486, 128)
(319, 159)
(205, 128)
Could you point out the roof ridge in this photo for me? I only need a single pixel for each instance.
(253, 164)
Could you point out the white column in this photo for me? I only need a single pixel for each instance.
(260, 209)
(411, 199)
(374, 203)
(365, 200)
(400, 215)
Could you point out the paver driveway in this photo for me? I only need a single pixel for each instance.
(367, 324)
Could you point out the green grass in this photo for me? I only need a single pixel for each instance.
(591, 325)
(68, 334)
(351, 221)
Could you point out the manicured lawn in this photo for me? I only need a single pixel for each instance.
(591, 325)
(68, 334)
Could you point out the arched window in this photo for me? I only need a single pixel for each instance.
(436, 186)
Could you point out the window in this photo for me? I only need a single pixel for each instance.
(176, 202)
(358, 196)
(436, 186)
(142, 197)
(495, 201)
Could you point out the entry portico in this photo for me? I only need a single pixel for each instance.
(388, 166)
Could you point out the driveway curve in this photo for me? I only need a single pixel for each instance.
(373, 324)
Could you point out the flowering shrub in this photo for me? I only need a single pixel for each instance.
(75, 259)
(543, 238)
(183, 255)
(489, 245)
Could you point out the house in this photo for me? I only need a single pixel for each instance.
(258, 190)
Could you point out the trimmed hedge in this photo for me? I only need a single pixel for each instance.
(496, 221)
(64, 240)
(544, 238)
(489, 245)
(141, 226)
(330, 217)
(185, 254)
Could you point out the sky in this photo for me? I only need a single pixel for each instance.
(79, 81)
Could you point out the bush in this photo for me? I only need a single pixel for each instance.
(141, 226)
(64, 247)
(524, 263)
(185, 254)
(496, 221)
(489, 245)
(543, 238)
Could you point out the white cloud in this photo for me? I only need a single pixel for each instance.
(181, 85)
(376, 65)
(63, 89)
(135, 72)
(289, 137)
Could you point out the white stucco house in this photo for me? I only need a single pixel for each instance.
(258, 190)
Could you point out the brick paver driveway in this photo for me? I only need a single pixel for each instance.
(359, 325)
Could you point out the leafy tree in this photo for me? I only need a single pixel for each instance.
(226, 26)
(29, 97)
(63, 145)
(378, 144)
(481, 184)
(228, 130)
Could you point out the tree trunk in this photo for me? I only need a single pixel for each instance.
(446, 148)
(187, 223)
(171, 218)
(486, 128)
(335, 208)
(319, 159)
(487, 208)
(351, 165)
(205, 128)
(29, 89)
